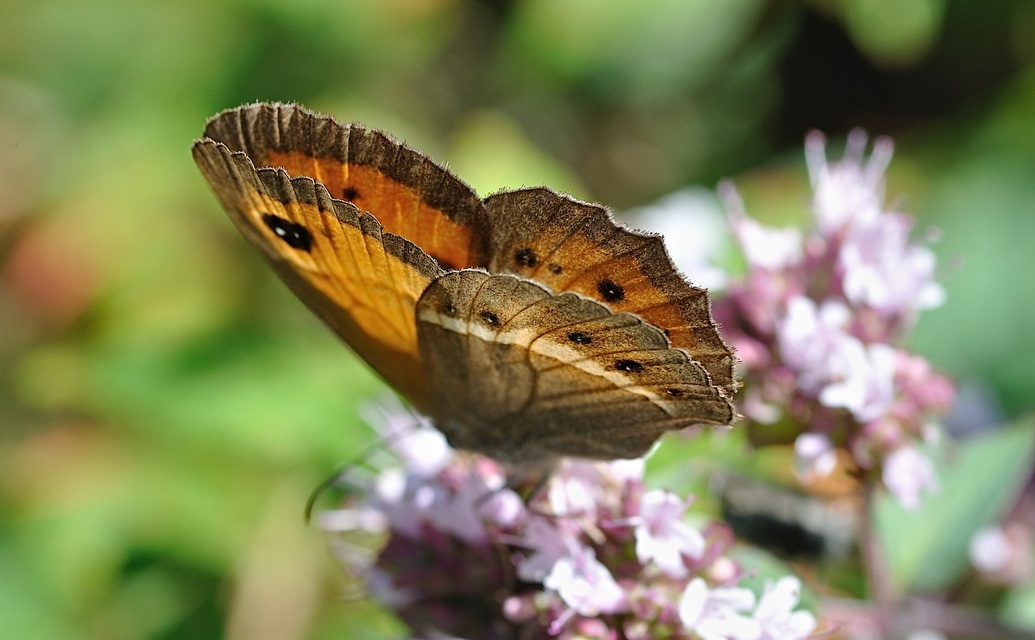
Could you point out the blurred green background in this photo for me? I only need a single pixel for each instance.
(166, 405)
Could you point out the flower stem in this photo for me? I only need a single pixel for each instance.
(875, 564)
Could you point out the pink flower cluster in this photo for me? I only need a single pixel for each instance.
(593, 554)
(819, 317)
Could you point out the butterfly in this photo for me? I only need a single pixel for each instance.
(528, 325)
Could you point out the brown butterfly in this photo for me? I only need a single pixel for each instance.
(528, 325)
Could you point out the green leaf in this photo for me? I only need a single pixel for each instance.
(927, 548)
(1018, 608)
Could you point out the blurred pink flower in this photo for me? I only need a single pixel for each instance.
(1004, 554)
(662, 536)
(548, 541)
(883, 271)
(863, 379)
(814, 455)
(585, 585)
(811, 339)
(907, 474)
(851, 190)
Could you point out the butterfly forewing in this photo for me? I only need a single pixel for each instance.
(362, 282)
(408, 193)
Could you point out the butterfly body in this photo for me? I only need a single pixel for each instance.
(528, 325)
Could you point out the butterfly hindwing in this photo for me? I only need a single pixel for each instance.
(570, 245)
(523, 374)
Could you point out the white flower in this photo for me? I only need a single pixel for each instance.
(881, 269)
(389, 494)
(775, 614)
(570, 496)
(691, 222)
(990, 550)
(585, 585)
(630, 470)
(907, 472)
(578, 486)
(766, 247)
(421, 447)
(714, 614)
(662, 536)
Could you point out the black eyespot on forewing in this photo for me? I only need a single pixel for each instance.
(675, 393)
(350, 193)
(554, 268)
(526, 257)
(579, 337)
(629, 365)
(490, 318)
(293, 234)
(610, 290)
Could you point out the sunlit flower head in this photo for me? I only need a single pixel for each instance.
(593, 555)
(818, 318)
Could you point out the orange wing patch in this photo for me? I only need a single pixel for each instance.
(363, 282)
(407, 192)
(398, 207)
